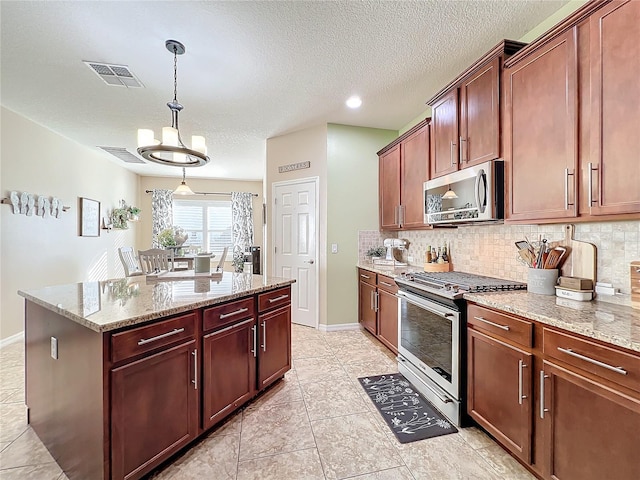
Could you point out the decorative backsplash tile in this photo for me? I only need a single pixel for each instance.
(490, 249)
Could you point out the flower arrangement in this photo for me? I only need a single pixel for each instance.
(172, 237)
(123, 214)
(376, 252)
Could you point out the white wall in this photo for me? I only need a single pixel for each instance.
(37, 252)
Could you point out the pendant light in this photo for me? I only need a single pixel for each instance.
(183, 188)
(171, 150)
(449, 194)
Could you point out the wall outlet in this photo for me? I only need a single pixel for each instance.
(334, 248)
(54, 348)
(410, 258)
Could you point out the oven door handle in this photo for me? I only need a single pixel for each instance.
(409, 298)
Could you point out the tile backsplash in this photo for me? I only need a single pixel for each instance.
(490, 249)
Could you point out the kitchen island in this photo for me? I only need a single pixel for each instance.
(122, 374)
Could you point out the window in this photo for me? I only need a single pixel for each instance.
(208, 223)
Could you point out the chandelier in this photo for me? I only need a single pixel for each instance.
(172, 151)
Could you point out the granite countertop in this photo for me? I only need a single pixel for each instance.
(612, 320)
(388, 270)
(107, 305)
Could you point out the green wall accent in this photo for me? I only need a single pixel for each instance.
(352, 205)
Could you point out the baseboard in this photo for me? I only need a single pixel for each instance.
(340, 327)
(18, 337)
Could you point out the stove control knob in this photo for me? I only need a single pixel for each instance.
(455, 288)
(447, 286)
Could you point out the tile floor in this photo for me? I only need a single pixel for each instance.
(317, 423)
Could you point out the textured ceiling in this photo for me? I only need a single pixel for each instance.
(252, 70)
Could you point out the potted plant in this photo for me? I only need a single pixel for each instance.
(172, 237)
(134, 213)
(122, 214)
(376, 252)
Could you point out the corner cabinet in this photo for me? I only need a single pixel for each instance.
(378, 307)
(403, 169)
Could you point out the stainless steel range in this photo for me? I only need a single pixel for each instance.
(431, 333)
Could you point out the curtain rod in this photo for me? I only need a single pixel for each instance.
(209, 193)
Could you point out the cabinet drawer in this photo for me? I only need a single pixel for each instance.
(275, 298)
(614, 365)
(387, 283)
(500, 324)
(139, 340)
(367, 276)
(226, 314)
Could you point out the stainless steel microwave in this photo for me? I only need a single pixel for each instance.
(473, 194)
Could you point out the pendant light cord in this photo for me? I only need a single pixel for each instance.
(175, 74)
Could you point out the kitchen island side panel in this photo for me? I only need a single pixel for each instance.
(65, 396)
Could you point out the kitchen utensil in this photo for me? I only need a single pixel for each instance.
(528, 256)
(541, 252)
(554, 257)
(582, 256)
(523, 244)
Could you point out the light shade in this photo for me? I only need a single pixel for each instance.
(183, 188)
(449, 194)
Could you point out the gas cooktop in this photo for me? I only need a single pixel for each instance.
(455, 284)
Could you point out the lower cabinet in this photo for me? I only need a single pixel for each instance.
(378, 307)
(229, 370)
(367, 311)
(154, 409)
(274, 351)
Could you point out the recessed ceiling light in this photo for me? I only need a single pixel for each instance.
(354, 102)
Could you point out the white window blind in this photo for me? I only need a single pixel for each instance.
(208, 223)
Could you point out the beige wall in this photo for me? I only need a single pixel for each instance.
(199, 185)
(352, 205)
(37, 251)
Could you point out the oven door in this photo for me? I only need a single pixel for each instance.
(429, 338)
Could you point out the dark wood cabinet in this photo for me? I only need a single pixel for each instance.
(444, 141)
(613, 168)
(403, 169)
(590, 430)
(387, 312)
(541, 124)
(499, 391)
(367, 311)
(274, 351)
(229, 370)
(154, 409)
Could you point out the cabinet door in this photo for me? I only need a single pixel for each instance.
(389, 184)
(499, 391)
(480, 116)
(591, 431)
(274, 351)
(615, 90)
(367, 314)
(154, 409)
(541, 132)
(228, 370)
(444, 135)
(388, 319)
(414, 169)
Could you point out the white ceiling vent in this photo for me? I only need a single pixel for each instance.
(123, 154)
(115, 75)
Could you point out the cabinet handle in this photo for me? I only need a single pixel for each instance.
(386, 284)
(375, 305)
(591, 170)
(264, 336)
(542, 409)
(521, 397)
(461, 149)
(254, 329)
(231, 314)
(231, 327)
(371, 300)
(566, 189)
(175, 331)
(277, 299)
(195, 369)
(503, 327)
(396, 214)
(453, 157)
(569, 351)
(365, 276)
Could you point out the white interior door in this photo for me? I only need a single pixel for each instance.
(295, 239)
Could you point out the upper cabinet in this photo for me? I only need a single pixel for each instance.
(466, 114)
(404, 167)
(571, 126)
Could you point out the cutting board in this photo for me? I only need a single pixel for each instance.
(582, 256)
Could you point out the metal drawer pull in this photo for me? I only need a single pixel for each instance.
(568, 351)
(375, 304)
(521, 397)
(386, 284)
(195, 369)
(236, 312)
(277, 299)
(254, 329)
(231, 327)
(175, 331)
(542, 409)
(264, 336)
(503, 327)
(365, 276)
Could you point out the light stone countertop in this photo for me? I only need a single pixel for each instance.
(107, 305)
(388, 270)
(612, 320)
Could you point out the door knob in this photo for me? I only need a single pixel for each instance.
(310, 262)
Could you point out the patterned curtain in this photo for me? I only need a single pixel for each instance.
(242, 219)
(161, 212)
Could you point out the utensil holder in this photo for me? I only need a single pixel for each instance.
(202, 263)
(542, 281)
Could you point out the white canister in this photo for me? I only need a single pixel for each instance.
(203, 263)
(542, 281)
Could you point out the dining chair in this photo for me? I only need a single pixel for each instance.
(129, 261)
(154, 260)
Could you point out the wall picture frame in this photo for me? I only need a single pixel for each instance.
(89, 217)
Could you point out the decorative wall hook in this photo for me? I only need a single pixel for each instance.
(29, 204)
